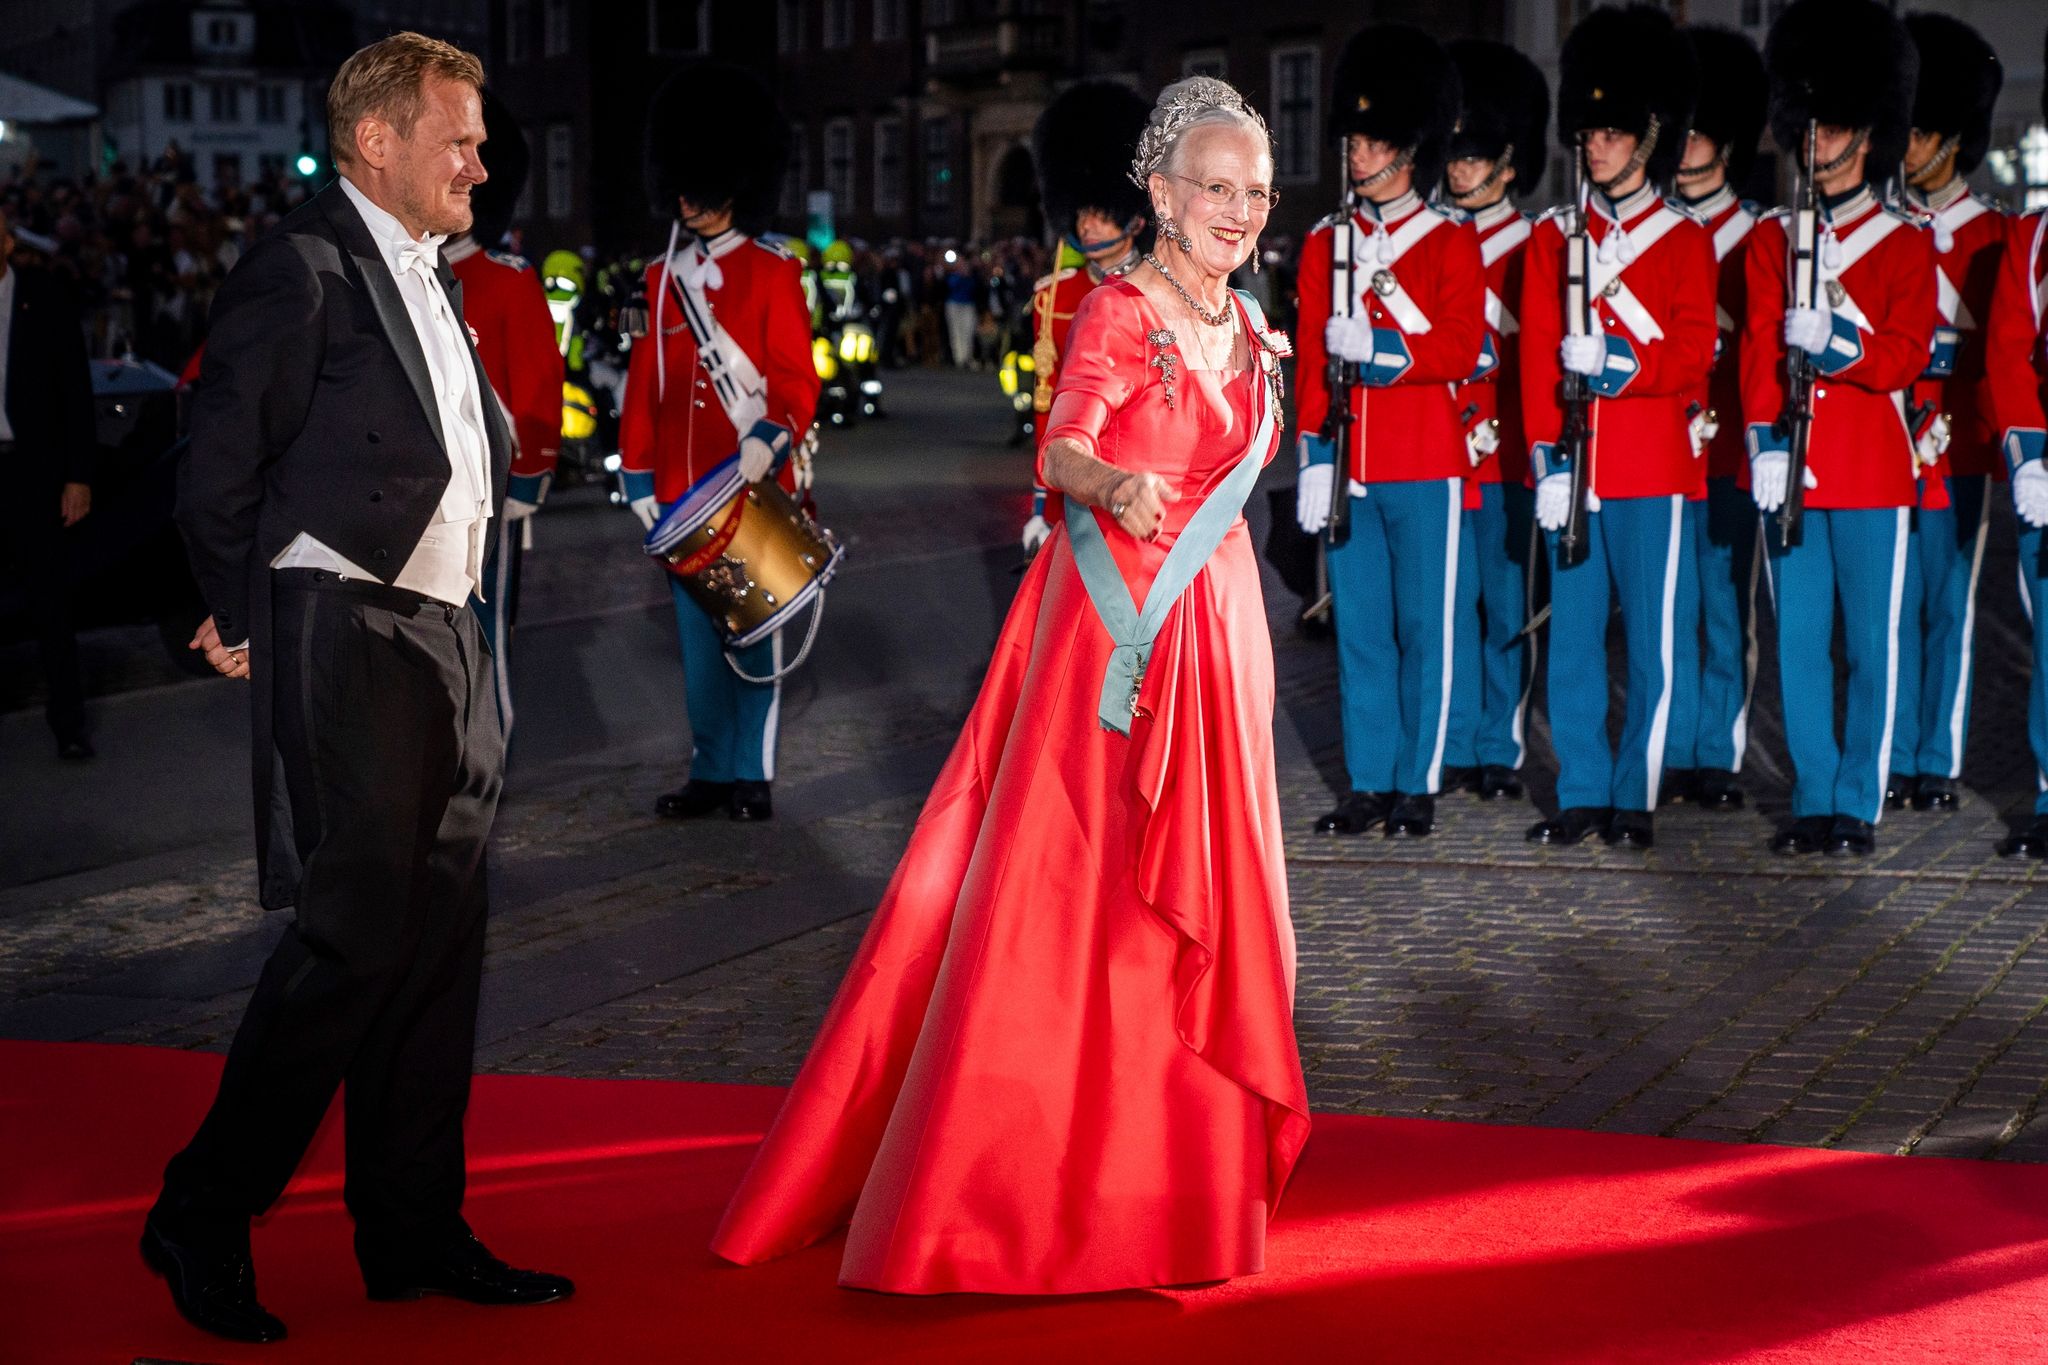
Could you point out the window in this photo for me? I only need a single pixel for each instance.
(938, 13)
(678, 26)
(890, 20)
(1296, 121)
(888, 166)
(518, 31)
(838, 23)
(177, 102)
(789, 26)
(225, 103)
(839, 163)
(1206, 61)
(799, 177)
(560, 171)
(938, 163)
(270, 103)
(554, 30)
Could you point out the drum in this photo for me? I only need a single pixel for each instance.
(746, 553)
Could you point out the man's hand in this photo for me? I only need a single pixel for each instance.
(519, 509)
(757, 458)
(2030, 493)
(647, 510)
(229, 663)
(1036, 533)
(1312, 494)
(1582, 355)
(1349, 337)
(1809, 329)
(1769, 473)
(77, 501)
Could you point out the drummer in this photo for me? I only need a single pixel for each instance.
(725, 368)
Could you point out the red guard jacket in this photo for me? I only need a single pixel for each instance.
(1860, 451)
(1054, 301)
(1496, 394)
(2015, 356)
(1974, 233)
(505, 305)
(1728, 221)
(1408, 430)
(673, 429)
(1641, 438)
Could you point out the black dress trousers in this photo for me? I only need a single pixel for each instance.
(392, 756)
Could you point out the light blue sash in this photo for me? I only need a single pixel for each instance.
(1131, 631)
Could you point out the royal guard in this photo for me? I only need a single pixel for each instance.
(725, 369)
(1496, 156)
(507, 310)
(1709, 732)
(1393, 289)
(1959, 81)
(1622, 373)
(1083, 145)
(2016, 400)
(1825, 384)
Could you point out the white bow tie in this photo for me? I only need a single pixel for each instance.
(420, 256)
(700, 272)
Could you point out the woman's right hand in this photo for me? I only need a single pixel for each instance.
(1138, 502)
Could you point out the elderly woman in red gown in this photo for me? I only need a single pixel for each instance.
(1063, 1059)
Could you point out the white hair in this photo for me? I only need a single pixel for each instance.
(1196, 102)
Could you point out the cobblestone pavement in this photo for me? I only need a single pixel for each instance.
(1704, 989)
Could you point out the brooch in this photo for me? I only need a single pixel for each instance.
(1167, 363)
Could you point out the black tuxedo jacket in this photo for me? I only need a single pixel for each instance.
(49, 393)
(314, 412)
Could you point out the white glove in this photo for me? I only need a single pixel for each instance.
(1809, 329)
(2030, 493)
(518, 509)
(1349, 337)
(1554, 499)
(756, 459)
(647, 510)
(1768, 474)
(1312, 497)
(1585, 355)
(1035, 533)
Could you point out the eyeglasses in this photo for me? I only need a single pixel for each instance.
(1257, 198)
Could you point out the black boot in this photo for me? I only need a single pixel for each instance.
(461, 1269)
(750, 801)
(1413, 817)
(1497, 780)
(1718, 790)
(1935, 793)
(213, 1284)
(1570, 825)
(1357, 813)
(1458, 779)
(1848, 835)
(1807, 834)
(694, 799)
(1631, 829)
(2030, 841)
(1679, 785)
(1898, 790)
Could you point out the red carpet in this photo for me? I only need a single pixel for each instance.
(1400, 1241)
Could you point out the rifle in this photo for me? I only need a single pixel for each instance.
(1574, 438)
(1341, 374)
(1795, 422)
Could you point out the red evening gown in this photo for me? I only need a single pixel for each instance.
(1063, 1058)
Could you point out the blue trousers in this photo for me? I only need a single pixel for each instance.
(1937, 631)
(1859, 556)
(499, 611)
(1710, 708)
(2034, 593)
(1492, 671)
(1393, 589)
(733, 722)
(1639, 554)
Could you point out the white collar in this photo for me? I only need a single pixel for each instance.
(390, 234)
(1713, 202)
(1850, 209)
(1619, 211)
(1394, 210)
(1934, 202)
(724, 244)
(1494, 214)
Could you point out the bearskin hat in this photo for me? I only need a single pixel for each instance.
(1506, 104)
(1733, 95)
(1621, 67)
(1396, 83)
(506, 159)
(715, 134)
(1959, 81)
(1083, 144)
(1844, 62)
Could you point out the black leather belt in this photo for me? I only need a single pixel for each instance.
(404, 601)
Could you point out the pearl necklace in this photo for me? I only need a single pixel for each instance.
(1215, 319)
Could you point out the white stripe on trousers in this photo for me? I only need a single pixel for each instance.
(1530, 658)
(1891, 656)
(1667, 634)
(1749, 649)
(1962, 702)
(774, 721)
(1455, 489)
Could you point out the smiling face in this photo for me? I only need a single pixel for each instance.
(424, 180)
(1227, 158)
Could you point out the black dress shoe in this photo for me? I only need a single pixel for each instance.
(215, 1290)
(1458, 779)
(750, 801)
(1497, 780)
(2030, 842)
(695, 799)
(464, 1270)
(1807, 834)
(1848, 835)
(1631, 829)
(1679, 785)
(75, 749)
(1718, 790)
(1935, 793)
(1413, 817)
(1570, 825)
(1357, 813)
(1898, 790)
